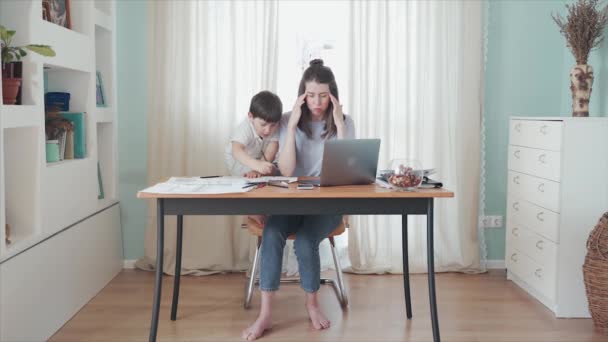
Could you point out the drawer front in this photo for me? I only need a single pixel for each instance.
(545, 135)
(542, 192)
(544, 280)
(531, 161)
(540, 249)
(519, 264)
(541, 278)
(539, 220)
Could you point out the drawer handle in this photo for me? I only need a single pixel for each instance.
(543, 129)
(539, 244)
(542, 158)
(514, 231)
(518, 127)
(539, 216)
(516, 206)
(538, 273)
(516, 154)
(516, 179)
(541, 187)
(514, 257)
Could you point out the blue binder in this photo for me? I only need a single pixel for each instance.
(80, 138)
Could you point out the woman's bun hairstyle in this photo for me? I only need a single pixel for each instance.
(316, 62)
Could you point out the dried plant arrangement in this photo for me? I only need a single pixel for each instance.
(583, 27)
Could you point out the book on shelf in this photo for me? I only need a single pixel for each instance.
(100, 94)
(57, 101)
(78, 121)
(58, 129)
(101, 194)
(69, 145)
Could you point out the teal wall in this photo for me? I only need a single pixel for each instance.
(527, 74)
(131, 44)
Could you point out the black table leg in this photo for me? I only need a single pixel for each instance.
(178, 266)
(406, 267)
(160, 242)
(431, 267)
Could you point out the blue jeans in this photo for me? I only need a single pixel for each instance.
(310, 231)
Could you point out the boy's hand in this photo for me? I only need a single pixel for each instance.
(296, 112)
(252, 174)
(265, 168)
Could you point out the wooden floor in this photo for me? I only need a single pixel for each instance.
(483, 307)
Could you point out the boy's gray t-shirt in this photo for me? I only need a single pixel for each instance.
(255, 146)
(309, 152)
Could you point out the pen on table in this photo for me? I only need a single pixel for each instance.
(210, 176)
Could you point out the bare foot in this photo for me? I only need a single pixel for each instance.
(256, 330)
(319, 321)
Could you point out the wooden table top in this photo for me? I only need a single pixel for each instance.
(345, 191)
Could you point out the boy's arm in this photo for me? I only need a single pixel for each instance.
(271, 151)
(238, 152)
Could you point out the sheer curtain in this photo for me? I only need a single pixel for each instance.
(416, 76)
(207, 59)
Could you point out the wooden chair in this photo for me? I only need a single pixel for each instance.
(338, 284)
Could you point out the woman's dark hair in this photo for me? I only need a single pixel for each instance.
(321, 74)
(266, 106)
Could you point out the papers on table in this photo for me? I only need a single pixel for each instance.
(268, 179)
(197, 185)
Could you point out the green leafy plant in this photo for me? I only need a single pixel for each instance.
(583, 27)
(15, 53)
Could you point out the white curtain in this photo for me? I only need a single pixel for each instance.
(207, 59)
(416, 77)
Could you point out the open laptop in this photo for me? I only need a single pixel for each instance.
(348, 162)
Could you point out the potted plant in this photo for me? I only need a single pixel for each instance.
(12, 55)
(583, 29)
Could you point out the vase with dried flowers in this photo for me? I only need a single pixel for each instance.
(583, 29)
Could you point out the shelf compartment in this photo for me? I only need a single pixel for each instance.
(104, 61)
(73, 49)
(22, 180)
(106, 154)
(105, 114)
(14, 116)
(103, 20)
(104, 6)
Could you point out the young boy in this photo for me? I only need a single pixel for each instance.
(255, 141)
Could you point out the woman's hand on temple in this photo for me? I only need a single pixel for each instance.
(338, 114)
(296, 112)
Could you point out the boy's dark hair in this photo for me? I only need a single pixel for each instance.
(266, 106)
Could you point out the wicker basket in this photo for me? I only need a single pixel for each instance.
(595, 271)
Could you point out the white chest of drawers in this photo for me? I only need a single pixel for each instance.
(557, 189)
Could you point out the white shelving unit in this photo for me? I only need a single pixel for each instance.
(58, 222)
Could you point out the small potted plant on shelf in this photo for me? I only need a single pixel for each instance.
(11, 56)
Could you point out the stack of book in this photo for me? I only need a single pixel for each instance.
(68, 128)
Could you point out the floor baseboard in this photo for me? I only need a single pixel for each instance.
(130, 264)
(495, 264)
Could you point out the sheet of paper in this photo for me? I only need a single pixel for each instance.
(197, 185)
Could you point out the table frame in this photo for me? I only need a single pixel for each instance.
(403, 206)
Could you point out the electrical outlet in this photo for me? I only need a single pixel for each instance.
(490, 221)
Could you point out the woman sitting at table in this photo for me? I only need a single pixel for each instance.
(315, 118)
